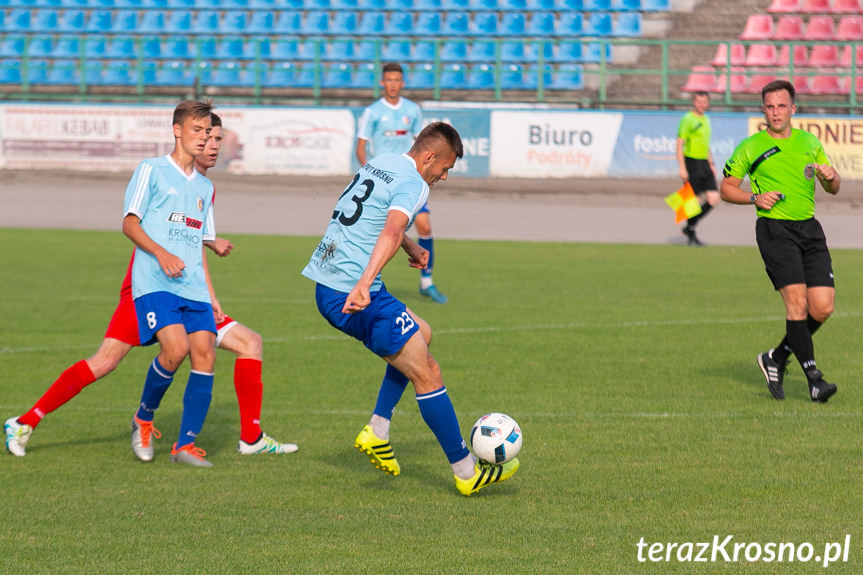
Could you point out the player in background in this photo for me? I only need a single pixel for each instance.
(695, 160)
(782, 164)
(122, 336)
(391, 124)
(367, 228)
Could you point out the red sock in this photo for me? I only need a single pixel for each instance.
(250, 394)
(67, 386)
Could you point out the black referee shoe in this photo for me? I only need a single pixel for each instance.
(773, 372)
(819, 390)
(689, 232)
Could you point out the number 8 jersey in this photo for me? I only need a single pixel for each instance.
(387, 182)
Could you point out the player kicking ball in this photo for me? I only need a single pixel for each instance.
(366, 230)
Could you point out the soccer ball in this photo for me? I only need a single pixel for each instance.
(495, 438)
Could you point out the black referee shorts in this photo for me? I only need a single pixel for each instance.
(794, 252)
(700, 175)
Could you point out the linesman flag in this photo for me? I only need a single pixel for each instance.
(684, 203)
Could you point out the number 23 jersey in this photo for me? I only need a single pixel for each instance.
(387, 182)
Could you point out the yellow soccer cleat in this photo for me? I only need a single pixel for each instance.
(486, 474)
(380, 451)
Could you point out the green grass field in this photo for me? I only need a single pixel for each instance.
(630, 368)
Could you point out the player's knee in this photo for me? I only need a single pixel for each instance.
(821, 312)
(252, 345)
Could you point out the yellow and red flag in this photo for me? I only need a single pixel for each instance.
(684, 203)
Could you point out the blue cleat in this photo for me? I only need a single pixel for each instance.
(433, 293)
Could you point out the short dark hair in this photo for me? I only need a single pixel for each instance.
(194, 109)
(700, 93)
(438, 133)
(393, 67)
(215, 120)
(778, 86)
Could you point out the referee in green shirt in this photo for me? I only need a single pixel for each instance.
(782, 164)
(695, 161)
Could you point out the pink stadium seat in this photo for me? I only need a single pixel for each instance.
(738, 55)
(801, 56)
(789, 27)
(759, 81)
(758, 27)
(785, 7)
(761, 55)
(825, 85)
(801, 84)
(845, 59)
(847, 7)
(816, 6)
(824, 56)
(701, 79)
(820, 28)
(850, 28)
(737, 84)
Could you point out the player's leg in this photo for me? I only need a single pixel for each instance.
(704, 184)
(422, 223)
(248, 384)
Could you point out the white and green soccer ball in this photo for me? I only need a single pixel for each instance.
(495, 438)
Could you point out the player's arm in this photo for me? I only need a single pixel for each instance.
(418, 256)
(220, 246)
(361, 151)
(388, 243)
(731, 192)
(681, 163)
(217, 307)
(829, 178)
(171, 265)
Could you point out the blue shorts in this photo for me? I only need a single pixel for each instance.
(425, 209)
(384, 327)
(160, 309)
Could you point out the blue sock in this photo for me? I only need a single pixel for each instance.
(392, 387)
(427, 244)
(157, 383)
(439, 414)
(196, 403)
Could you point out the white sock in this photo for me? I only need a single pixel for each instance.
(380, 426)
(426, 282)
(464, 468)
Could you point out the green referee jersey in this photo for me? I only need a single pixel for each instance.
(694, 130)
(780, 165)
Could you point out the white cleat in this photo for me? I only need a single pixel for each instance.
(17, 436)
(143, 433)
(265, 444)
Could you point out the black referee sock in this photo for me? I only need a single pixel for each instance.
(783, 350)
(800, 341)
(705, 208)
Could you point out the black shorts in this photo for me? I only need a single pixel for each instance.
(794, 252)
(700, 175)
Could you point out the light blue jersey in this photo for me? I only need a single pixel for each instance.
(175, 210)
(388, 182)
(390, 129)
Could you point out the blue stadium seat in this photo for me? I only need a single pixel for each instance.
(101, 4)
(261, 22)
(429, 5)
(337, 76)
(516, 6)
(541, 6)
(482, 5)
(541, 47)
(36, 71)
(312, 48)
(285, 49)
(227, 74)
(598, 24)
(152, 22)
(428, 24)
(121, 48)
(263, 5)
(366, 51)
(481, 77)
(182, 5)
(305, 76)
(397, 50)
(125, 22)
(279, 75)
(512, 77)
(532, 76)
(596, 5)
(656, 5)
(18, 20)
(399, 24)
(421, 77)
(12, 47)
(541, 24)
(345, 24)
(63, 73)
(229, 48)
(568, 77)
(127, 5)
(455, 24)
(234, 4)
(154, 5)
(398, 5)
(627, 24)
(45, 20)
(454, 51)
(99, 21)
(175, 73)
(177, 48)
(288, 22)
(93, 73)
(455, 5)
(151, 47)
(339, 50)
(319, 5)
(365, 76)
(206, 22)
(40, 46)
(201, 73)
(203, 47)
(424, 51)
(453, 77)
(349, 5)
(290, 5)
(95, 47)
(315, 23)
(513, 51)
(10, 72)
(233, 22)
(484, 24)
(625, 5)
(372, 23)
(119, 73)
(68, 47)
(482, 51)
(513, 24)
(570, 24)
(569, 5)
(592, 52)
(178, 22)
(257, 47)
